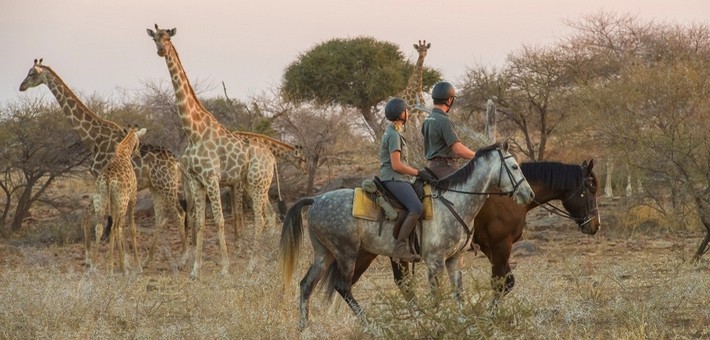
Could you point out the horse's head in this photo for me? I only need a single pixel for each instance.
(582, 203)
(511, 178)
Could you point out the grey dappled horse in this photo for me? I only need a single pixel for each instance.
(344, 246)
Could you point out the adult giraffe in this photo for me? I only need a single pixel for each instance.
(155, 167)
(412, 94)
(214, 155)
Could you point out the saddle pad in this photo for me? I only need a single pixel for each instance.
(428, 202)
(364, 207)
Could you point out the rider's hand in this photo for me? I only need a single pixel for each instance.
(426, 176)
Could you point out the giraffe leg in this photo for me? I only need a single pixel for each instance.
(198, 212)
(87, 219)
(189, 220)
(134, 232)
(213, 193)
(159, 205)
(237, 213)
(100, 214)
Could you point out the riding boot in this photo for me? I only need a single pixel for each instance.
(401, 250)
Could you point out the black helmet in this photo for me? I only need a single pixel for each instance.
(394, 108)
(442, 91)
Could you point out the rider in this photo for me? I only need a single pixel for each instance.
(442, 145)
(394, 174)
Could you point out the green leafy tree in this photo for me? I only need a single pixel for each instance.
(359, 72)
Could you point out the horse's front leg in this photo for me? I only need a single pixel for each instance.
(403, 279)
(452, 267)
(435, 267)
(502, 279)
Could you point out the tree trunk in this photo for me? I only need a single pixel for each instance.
(23, 205)
(608, 192)
(374, 123)
(312, 166)
(490, 121)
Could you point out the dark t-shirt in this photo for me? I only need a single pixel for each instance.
(439, 135)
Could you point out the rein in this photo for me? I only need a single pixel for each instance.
(500, 175)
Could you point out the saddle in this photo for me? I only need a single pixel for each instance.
(374, 202)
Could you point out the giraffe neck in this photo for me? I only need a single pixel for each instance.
(124, 149)
(195, 118)
(413, 92)
(92, 129)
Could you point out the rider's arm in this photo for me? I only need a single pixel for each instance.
(462, 151)
(399, 166)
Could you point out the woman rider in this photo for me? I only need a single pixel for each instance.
(395, 175)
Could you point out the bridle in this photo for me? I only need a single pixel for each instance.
(588, 210)
(508, 172)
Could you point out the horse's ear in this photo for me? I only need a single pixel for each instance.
(591, 165)
(505, 146)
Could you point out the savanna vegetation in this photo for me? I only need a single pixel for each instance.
(633, 95)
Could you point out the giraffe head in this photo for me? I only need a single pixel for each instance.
(129, 145)
(422, 48)
(161, 37)
(298, 159)
(35, 77)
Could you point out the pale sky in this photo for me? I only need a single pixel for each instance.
(101, 47)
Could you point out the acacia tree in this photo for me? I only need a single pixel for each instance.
(323, 134)
(37, 147)
(653, 108)
(360, 73)
(529, 91)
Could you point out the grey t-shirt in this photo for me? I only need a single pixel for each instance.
(439, 135)
(392, 141)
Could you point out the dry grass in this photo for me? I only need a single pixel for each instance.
(599, 287)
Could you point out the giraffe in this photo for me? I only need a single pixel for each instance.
(412, 94)
(259, 171)
(116, 189)
(214, 155)
(156, 168)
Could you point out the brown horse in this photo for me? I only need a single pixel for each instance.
(500, 221)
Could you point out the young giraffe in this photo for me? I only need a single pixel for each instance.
(116, 190)
(214, 155)
(156, 168)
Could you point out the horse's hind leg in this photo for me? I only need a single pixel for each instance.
(321, 261)
(343, 284)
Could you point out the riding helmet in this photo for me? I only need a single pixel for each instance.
(394, 108)
(442, 91)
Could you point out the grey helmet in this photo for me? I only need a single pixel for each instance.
(394, 108)
(442, 91)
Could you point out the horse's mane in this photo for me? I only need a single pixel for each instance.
(463, 173)
(558, 176)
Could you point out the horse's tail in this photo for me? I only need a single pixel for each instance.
(291, 235)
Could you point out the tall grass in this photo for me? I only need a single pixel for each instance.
(582, 287)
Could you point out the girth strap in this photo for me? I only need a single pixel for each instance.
(469, 231)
